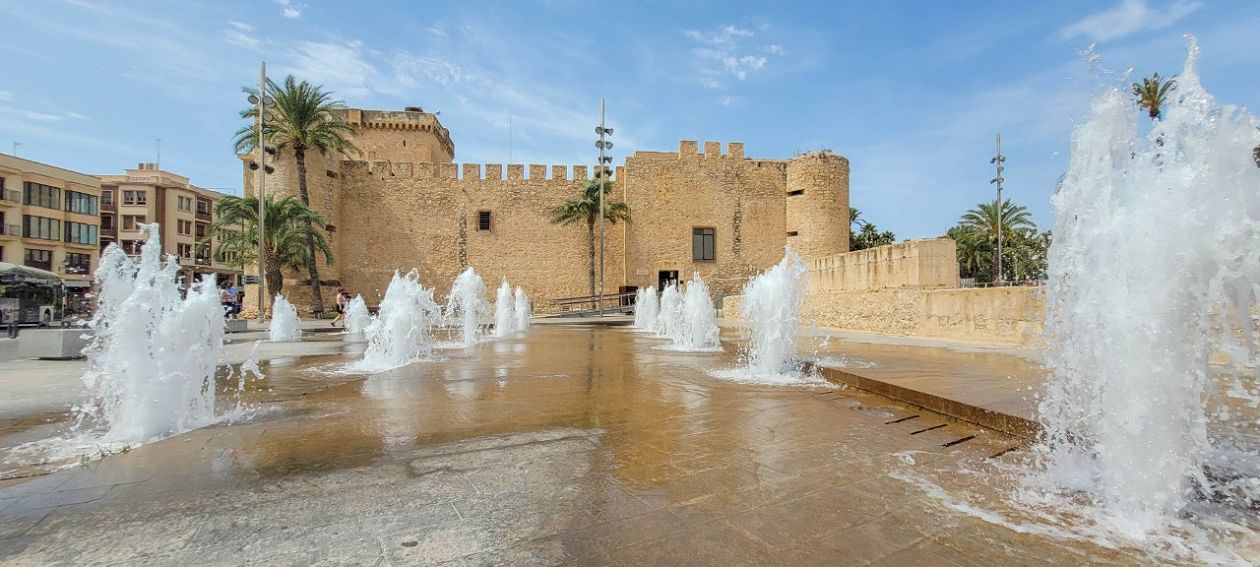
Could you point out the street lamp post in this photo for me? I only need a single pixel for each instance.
(262, 102)
(998, 160)
(601, 178)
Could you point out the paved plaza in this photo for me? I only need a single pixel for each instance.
(567, 445)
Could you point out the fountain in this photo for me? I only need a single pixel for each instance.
(402, 331)
(771, 303)
(646, 306)
(523, 310)
(1151, 314)
(284, 321)
(357, 316)
(669, 314)
(466, 304)
(696, 328)
(504, 315)
(152, 361)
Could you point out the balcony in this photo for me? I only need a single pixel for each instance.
(10, 230)
(10, 197)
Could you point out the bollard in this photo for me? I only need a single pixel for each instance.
(13, 330)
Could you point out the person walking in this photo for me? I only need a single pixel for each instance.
(227, 299)
(343, 299)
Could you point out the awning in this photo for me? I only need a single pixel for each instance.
(78, 284)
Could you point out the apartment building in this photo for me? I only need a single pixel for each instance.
(184, 212)
(50, 220)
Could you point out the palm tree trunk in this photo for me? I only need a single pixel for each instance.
(590, 251)
(275, 280)
(317, 301)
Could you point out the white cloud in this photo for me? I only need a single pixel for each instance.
(290, 9)
(1130, 17)
(76, 116)
(240, 39)
(241, 26)
(6, 95)
(722, 53)
(340, 67)
(30, 115)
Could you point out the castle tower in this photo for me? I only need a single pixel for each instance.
(818, 204)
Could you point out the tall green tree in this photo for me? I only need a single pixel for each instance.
(305, 118)
(1152, 92)
(585, 209)
(1023, 247)
(290, 240)
(867, 235)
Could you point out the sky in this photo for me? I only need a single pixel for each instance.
(911, 92)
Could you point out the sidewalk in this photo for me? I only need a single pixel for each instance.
(995, 386)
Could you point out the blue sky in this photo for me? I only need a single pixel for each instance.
(910, 92)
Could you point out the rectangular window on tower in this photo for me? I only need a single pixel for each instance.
(703, 245)
(483, 220)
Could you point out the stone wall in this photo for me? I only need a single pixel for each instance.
(929, 263)
(672, 193)
(398, 216)
(911, 289)
(817, 197)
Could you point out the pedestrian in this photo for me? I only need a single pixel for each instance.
(226, 299)
(240, 303)
(343, 299)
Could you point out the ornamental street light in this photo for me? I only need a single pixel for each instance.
(602, 178)
(998, 160)
(262, 102)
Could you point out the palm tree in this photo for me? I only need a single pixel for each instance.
(289, 239)
(585, 208)
(1152, 92)
(984, 219)
(305, 118)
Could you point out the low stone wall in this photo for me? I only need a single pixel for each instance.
(1010, 315)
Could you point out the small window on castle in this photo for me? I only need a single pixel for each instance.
(702, 244)
(796, 192)
(792, 233)
(483, 220)
(404, 143)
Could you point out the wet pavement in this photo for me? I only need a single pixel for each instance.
(567, 445)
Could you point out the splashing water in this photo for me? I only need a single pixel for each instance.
(504, 315)
(696, 329)
(284, 321)
(523, 310)
(402, 331)
(466, 304)
(1154, 276)
(646, 306)
(669, 314)
(152, 362)
(771, 303)
(357, 316)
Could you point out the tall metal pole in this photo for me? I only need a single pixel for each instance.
(999, 159)
(262, 192)
(602, 179)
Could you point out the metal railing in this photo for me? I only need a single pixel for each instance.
(11, 229)
(612, 302)
(11, 195)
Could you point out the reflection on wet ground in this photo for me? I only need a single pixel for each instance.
(567, 445)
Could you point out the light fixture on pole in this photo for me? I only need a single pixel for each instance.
(601, 178)
(262, 102)
(998, 160)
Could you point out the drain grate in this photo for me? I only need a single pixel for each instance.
(928, 429)
(907, 418)
(957, 441)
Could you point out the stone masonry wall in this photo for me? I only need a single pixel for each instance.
(929, 263)
(425, 216)
(672, 193)
(818, 204)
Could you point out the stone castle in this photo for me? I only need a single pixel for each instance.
(403, 203)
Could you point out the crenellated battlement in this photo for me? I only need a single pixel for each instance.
(471, 171)
(411, 119)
